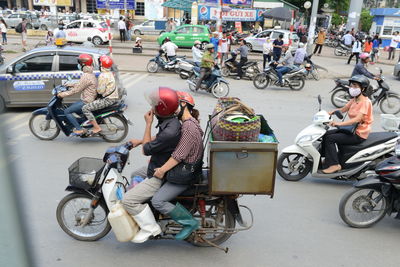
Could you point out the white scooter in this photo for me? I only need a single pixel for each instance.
(297, 160)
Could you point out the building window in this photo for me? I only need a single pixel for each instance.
(139, 9)
(387, 30)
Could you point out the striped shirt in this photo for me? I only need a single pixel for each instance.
(190, 146)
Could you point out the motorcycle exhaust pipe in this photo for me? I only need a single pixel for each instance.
(185, 74)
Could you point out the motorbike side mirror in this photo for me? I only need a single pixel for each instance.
(338, 114)
(319, 101)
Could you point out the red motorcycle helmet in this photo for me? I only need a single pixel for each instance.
(185, 97)
(106, 61)
(164, 101)
(85, 60)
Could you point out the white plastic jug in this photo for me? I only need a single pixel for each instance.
(123, 225)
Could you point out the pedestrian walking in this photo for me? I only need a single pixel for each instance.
(393, 45)
(3, 29)
(267, 51)
(223, 48)
(122, 29)
(375, 49)
(277, 44)
(357, 49)
(348, 39)
(129, 26)
(24, 34)
(320, 41)
(368, 45)
(243, 50)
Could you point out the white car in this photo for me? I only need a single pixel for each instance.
(255, 43)
(80, 30)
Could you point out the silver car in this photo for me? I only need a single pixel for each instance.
(27, 81)
(255, 43)
(396, 71)
(14, 19)
(147, 27)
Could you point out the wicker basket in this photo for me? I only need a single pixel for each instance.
(227, 130)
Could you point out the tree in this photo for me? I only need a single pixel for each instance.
(365, 20)
(336, 19)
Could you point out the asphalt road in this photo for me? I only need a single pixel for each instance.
(300, 226)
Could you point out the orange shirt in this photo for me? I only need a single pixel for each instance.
(363, 106)
(321, 38)
(367, 47)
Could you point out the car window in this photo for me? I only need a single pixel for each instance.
(88, 24)
(40, 63)
(13, 16)
(147, 23)
(183, 30)
(68, 62)
(275, 35)
(264, 35)
(197, 30)
(74, 25)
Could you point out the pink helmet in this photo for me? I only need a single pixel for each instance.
(364, 55)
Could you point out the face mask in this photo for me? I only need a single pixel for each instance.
(354, 91)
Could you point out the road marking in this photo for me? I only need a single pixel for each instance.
(23, 124)
(129, 78)
(141, 77)
(15, 118)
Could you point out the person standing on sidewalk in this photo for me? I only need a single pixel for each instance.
(320, 41)
(267, 51)
(375, 49)
(277, 44)
(3, 29)
(224, 47)
(393, 45)
(244, 52)
(24, 34)
(122, 29)
(357, 49)
(129, 26)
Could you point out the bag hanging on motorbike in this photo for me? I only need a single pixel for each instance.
(224, 128)
(123, 225)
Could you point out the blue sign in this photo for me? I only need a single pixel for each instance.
(115, 4)
(242, 3)
(29, 85)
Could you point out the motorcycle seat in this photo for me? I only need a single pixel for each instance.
(190, 61)
(249, 63)
(116, 106)
(201, 186)
(372, 140)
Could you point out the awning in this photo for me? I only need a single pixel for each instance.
(185, 5)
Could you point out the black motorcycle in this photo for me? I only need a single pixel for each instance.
(250, 68)
(159, 62)
(46, 123)
(294, 79)
(371, 199)
(388, 101)
(311, 69)
(342, 50)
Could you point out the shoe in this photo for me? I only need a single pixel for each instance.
(183, 216)
(148, 225)
(332, 169)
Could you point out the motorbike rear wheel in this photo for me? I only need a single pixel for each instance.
(340, 97)
(298, 166)
(261, 81)
(78, 204)
(220, 89)
(362, 207)
(390, 104)
(315, 74)
(215, 220)
(225, 71)
(338, 52)
(42, 128)
(118, 127)
(152, 67)
(297, 83)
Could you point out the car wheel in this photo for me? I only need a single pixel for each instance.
(137, 32)
(250, 46)
(97, 40)
(2, 105)
(29, 26)
(43, 27)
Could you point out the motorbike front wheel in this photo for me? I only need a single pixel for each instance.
(42, 128)
(152, 67)
(390, 104)
(293, 167)
(296, 83)
(261, 81)
(340, 97)
(72, 210)
(220, 89)
(362, 207)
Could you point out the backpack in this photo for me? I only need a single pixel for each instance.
(18, 29)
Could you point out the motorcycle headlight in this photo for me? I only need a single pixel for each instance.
(307, 138)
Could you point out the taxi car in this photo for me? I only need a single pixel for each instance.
(80, 30)
(255, 43)
(184, 36)
(28, 80)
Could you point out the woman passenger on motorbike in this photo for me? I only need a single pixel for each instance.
(107, 90)
(189, 152)
(87, 85)
(359, 110)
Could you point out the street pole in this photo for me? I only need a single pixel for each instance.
(311, 29)
(109, 27)
(219, 26)
(354, 15)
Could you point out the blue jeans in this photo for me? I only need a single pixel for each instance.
(74, 108)
(282, 70)
(4, 36)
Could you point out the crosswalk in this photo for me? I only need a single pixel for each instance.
(131, 79)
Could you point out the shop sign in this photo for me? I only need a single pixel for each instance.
(392, 21)
(241, 3)
(115, 4)
(213, 13)
(52, 3)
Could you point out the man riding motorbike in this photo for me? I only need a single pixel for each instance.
(108, 91)
(207, 63)
(196, 53)
(164, 104)
(360, 68)
(287, 61)
(87, 85)
(170, 49)
(188, 153)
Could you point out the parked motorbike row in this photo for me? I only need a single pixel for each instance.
(375, 163)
